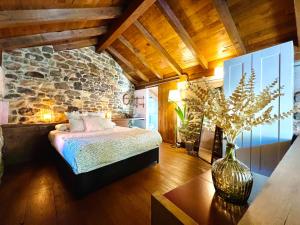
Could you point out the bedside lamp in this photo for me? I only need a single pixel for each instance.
(174, 96)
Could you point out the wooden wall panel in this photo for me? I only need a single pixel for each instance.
(166, 112)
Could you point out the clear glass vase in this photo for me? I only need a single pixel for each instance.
(232, 179)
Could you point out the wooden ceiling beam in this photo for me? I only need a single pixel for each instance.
(49, 38)
(152, 40)
(134, 11)
(12, 18)
(297, 15)
(181, 32)
(76, 44)
(130, 78)
(137, 54)
(114, 52)
(156, 83)
(230, 27)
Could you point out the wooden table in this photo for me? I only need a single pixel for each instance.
(196, 203)
(279, 201)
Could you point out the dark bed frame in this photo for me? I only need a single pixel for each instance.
(84, 183)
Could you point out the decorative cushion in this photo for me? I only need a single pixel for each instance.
(76, 124)
(107, 124)
(96, 123)
(100, 114)
(62, 127)
(74, 114)
(92, 123)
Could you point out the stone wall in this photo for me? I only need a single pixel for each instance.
(39, 80)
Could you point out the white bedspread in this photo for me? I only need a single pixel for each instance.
(87, 151)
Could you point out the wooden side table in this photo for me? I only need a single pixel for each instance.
(196, 203)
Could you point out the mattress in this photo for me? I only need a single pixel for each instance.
(87, 151)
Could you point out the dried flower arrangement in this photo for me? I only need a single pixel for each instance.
(244, 109)
(241, 111)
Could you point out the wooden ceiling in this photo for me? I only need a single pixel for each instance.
(153, 40)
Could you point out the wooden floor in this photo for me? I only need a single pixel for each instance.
(34, 194)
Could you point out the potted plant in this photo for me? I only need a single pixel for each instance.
(182, 115)
(242, 111)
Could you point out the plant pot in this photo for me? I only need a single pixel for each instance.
(232, 179)
(189, 146)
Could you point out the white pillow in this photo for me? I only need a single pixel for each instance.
(74, 114)
(96, 123)
(76, 124)
(62, 127)
(100, 114)
(107, 124)
(92, 123)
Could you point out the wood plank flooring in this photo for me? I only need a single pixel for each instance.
(35, 194)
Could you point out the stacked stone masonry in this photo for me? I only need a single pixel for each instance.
(41, 80)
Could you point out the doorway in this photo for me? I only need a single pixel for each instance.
(152, 109)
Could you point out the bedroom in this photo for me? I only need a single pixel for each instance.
(113, 112)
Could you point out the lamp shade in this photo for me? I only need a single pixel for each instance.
(174, 96)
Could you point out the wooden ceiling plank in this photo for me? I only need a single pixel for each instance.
(230, 27)
(152, 40)
(181, 31)
(12, 18)
(297, 15)
(49, 38)
(127, 63)
(130, 78)
(141, 58)
(76, 44)
(134, 11)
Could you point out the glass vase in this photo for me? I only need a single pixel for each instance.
(232, 179)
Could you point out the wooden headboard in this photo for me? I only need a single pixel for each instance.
(25, 142)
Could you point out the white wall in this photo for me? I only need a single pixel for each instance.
(139, 110)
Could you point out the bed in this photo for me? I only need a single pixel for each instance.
(88, 160)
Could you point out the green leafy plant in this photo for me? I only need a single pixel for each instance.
(182, 115)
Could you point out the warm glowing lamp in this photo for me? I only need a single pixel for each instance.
(174, 96)
(219, 72)
(46, 116)
(181, 85)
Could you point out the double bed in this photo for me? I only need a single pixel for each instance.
(88, 160)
